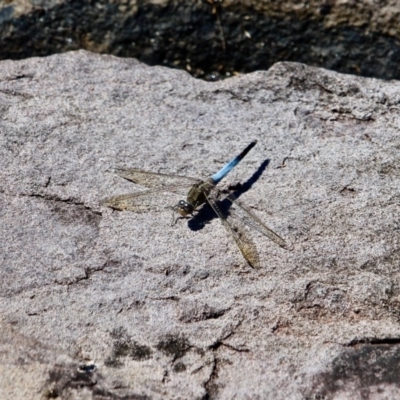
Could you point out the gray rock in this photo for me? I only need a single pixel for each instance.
(97, 303)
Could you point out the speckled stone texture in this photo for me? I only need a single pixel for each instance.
(102, 304)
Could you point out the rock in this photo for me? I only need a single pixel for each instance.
(105, 304)
(211, 39)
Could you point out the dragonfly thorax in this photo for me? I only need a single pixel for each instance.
(184, 208)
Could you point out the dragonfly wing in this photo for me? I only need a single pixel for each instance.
(140, 202)
(251, 220)
(153, 179)
(245, 244)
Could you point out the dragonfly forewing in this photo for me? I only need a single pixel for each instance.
(244, 243)
(154, 179)
(148, 200)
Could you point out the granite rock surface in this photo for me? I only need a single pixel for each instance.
(96, 303)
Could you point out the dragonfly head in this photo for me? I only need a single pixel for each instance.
(184, 208)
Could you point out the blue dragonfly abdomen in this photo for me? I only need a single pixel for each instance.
(224, 171)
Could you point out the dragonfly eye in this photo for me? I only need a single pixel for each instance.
(184, 208)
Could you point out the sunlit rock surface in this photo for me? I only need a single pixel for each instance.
(97, 303)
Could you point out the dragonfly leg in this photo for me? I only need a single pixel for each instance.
(174, 211)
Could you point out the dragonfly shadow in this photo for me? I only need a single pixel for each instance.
(206, 214)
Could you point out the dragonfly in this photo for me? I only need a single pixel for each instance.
(237, 220)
